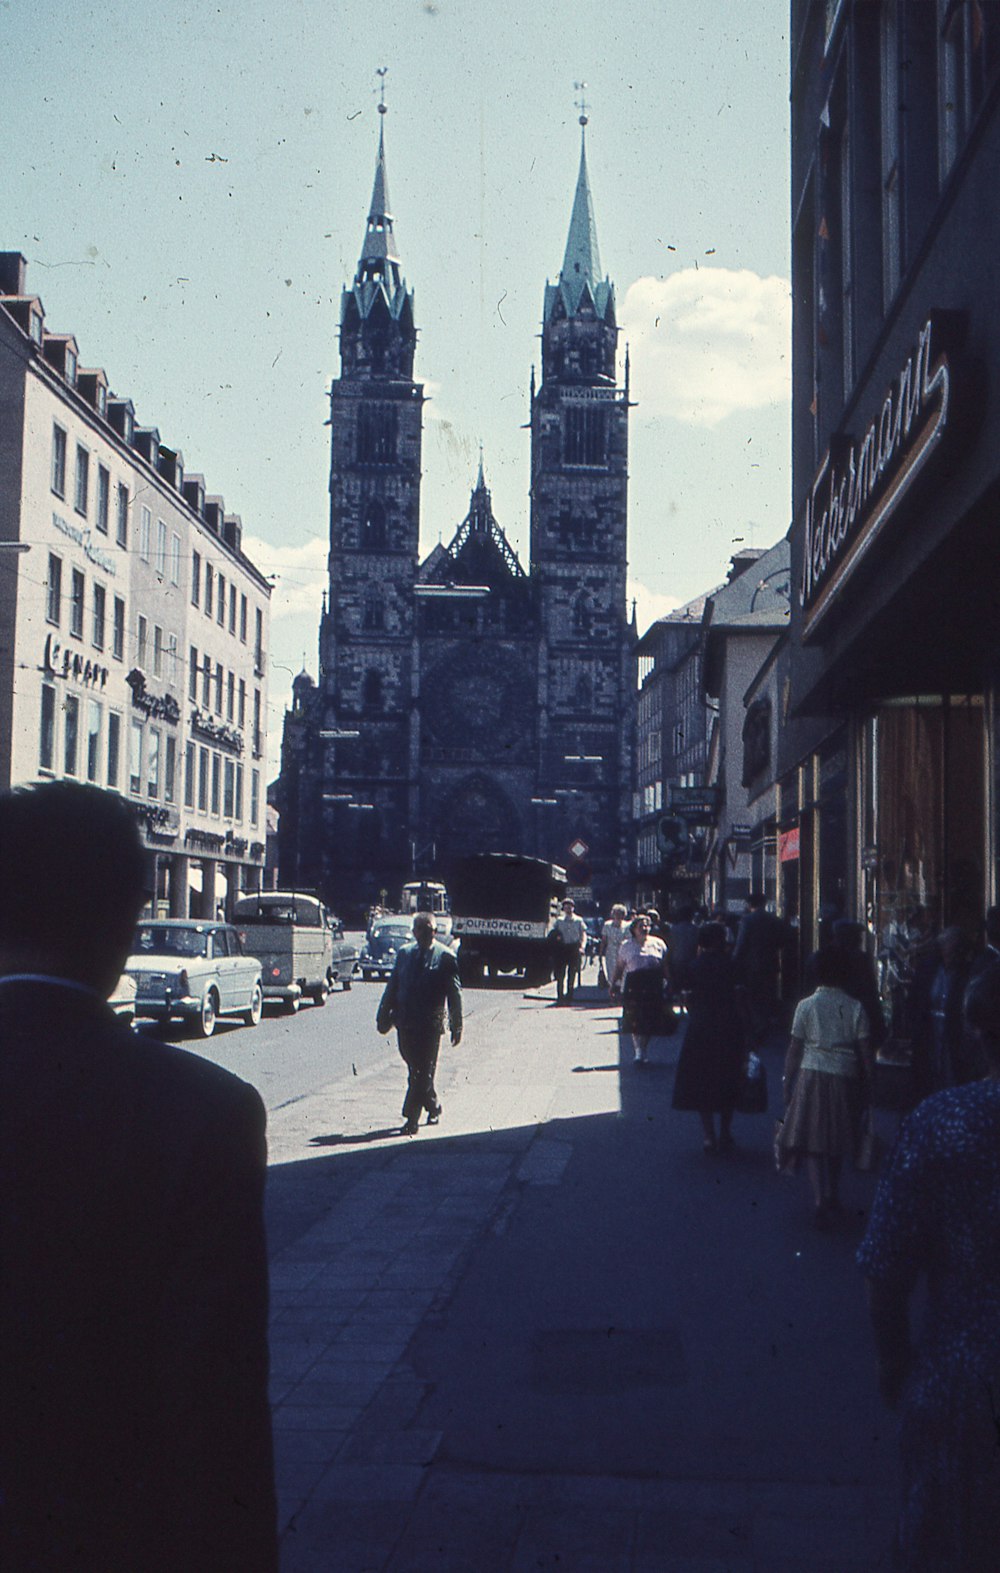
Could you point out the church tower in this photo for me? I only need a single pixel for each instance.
(579, 484)
(367, 631)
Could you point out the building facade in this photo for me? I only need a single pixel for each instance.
(887, 765)
(134, 628)
(464, 703)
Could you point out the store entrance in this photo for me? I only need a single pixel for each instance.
(924, 832)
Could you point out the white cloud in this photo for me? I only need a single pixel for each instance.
(649, 604)
(299, 572)
(707, 342)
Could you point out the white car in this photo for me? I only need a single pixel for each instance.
(194, 971)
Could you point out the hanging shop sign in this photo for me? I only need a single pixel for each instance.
(59, 661)
(861, 482)
(756, 741)
(698, 804)
(156, 707)
(788, 845)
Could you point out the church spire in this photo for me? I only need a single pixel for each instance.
(377, 335)
(582, 260)
(580, 278)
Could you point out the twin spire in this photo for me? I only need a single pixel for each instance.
(581, 268)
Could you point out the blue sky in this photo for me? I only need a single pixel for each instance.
(190, 184)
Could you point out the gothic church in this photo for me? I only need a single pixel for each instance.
(464, 704)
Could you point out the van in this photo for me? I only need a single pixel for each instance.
(302, 948)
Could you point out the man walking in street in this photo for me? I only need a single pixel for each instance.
(570, 935)
(424, 981)
(134, 1425)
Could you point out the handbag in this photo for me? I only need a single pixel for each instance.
(870, 1146)
(752, 1096)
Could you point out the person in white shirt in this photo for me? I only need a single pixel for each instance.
(613, 935)
(642, 967)
(570, 935)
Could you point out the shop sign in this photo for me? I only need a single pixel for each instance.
(58, 661)
(579, 893)
(204, 841)
(156, 707)
(860, 484)
(159, 823)
(235, 846)
(224, 736)
(85, 538)
(257, 850)
(700, 804)
(788, 845)
(741, 833)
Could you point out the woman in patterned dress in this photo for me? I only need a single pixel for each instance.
(937, 1218)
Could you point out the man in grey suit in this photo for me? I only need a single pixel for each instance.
(134, 1425)
(424, 981)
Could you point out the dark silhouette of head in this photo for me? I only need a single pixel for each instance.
(831, 967)
(757, 902)
(712, 936)
(684, 913)
(847, 934)
(982, 1012)
(73, 878)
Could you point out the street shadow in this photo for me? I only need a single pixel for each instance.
(359, 1140)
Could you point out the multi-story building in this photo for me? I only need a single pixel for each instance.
(464, 704)
(671, 749)
(888, 759)
(133, 628)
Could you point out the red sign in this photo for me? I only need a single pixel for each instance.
(788, 845)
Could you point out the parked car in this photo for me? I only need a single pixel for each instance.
(302, 947)
(196, 971)
(387, 934)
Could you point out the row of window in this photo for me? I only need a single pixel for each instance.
(81, 487)
(219, 690)
(88, 745)
(77, 608)
(159, 547)
(219, 600)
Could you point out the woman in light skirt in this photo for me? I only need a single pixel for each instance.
(827, 1081)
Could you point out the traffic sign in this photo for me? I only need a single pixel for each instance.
(578, 849)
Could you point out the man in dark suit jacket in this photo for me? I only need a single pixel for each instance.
(134, 1426)
(424, 980)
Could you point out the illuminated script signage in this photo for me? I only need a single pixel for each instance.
(860, 484)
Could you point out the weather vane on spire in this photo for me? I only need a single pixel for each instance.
(382, 72)
(581, 102)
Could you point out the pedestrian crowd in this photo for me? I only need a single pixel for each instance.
(134, 1424)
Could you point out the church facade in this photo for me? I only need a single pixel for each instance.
(464, 703)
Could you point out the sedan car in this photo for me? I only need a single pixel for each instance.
(194, 971)
(386, 935)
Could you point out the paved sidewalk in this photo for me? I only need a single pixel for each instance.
(551, 1333)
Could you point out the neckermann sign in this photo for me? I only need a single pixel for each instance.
(860, 484)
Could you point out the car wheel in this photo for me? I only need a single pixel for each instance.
(209, 1014)
(366, 976)
(319, 996)
(345, 983)
(253, 1015)
(292, 1005)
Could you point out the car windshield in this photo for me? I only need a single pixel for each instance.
(157, 939)
(304, 914)
(393, 931)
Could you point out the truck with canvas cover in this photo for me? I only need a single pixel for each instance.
(503, 907)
